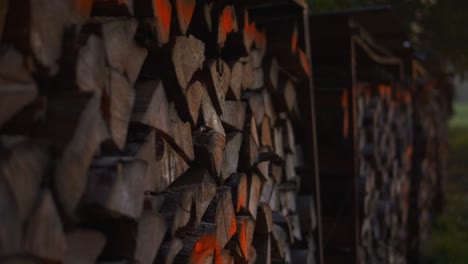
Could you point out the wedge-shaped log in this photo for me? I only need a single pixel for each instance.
(89, 69)
(242, 241)
(238, 184)
(194, 97)
(219, 76)
(231, 154)
(265, 134)
(233, 116)
(255, 186)
(117, 187)
(235, 84)
(200, 247)
(209, 148)
(184, 11)
(248, 154)
(257, 107)
(187, 57)
(209, 116)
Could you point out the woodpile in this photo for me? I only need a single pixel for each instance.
(385, 146)
(149, 132)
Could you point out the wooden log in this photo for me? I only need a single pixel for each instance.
(157, 22)
(205, 186)
(294, 226)
(235, 84)
(238, 184)
(194, 97)
(255, 186)
(118, 187)
(180, 135)
(187, 57)
(248, 154)
(265, 134)
(17, 88)
(112, 8)
(263, 170)
(257, 107)
(231, 155)
(90, 67)
(221, 213)
(122, 52)
(277, 172)
(288, 137)
(248, 31)
(280, 241)
(37, 28)
(10, 224)
(273, 73)
(169, 251)
(23, 170)
(288, 201)
(242, 241)
(151, 230)
(176, 207)
(258, 79)
(267, 190)
(200, 247)
(169, 166)
(264, 224)
(233, 116)
(209, 148)
(278, 138)
(219, 76)
(44, 237)
(248, 76)
(90, 131)
(274, 202)
(184, 12)
(151, 106)
(287, 100)
(289, 170)
(117, 108)
(227, 23)
(268, 105)
(83, 246)
(209, 115)
(254, 131)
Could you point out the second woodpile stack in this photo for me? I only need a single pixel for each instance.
(147, 132)
(385, 145)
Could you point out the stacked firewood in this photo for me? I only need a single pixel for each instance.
(385, 146)
(146, 132)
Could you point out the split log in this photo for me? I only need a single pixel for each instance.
(257, 107)
(294, 226)
(235, 84)
(274, 200)
(84, 246)
(248, 154)
(37, 28)
(278, 138)
(233, 116)
(227, 23)
(205, 186)
(231, 155)
(209, 148)
(264, 224)
(10, 223)
(273, 72)
(248, 76)
(288, 201)
(258, 81)
(23, 170)
(242, 241)
(194, 97)
(265, 134)
(17, 87)
(254, 131)
(44, 237)
(112, 8)
(184, 12)
(288, 137)
(187, 57)
(117, 108)
(157, 22)
(256, 57)
(277, 172)
(88, 133)
(169, 251)
(219, 76)
(122, 52)
(267, 191)
(176, 207)
(221, 213)
(90, 67)
(238, 184)
(209, 115)
(200, 246)
(151, 230)
(263, 170)
(287, 99)
(117, 188)
(180, 135)
(268, 105)
(151, 107)
(280, 242)
(255, 186)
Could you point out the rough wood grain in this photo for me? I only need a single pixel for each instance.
(219, 76)
(231, 154)
(249, 153)
(194, 97)
(209, 115)
(255, 186)
(90, 68)
(257, 107)
(187, 57)
(209, 149)
(233, 116)
(235, 84)
(238, 184)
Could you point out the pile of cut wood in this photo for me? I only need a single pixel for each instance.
(149, 132)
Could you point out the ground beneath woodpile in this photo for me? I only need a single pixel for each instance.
(448, 241)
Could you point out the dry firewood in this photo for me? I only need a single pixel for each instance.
(252, 255)
(122, 52)
(200, 246)
(117, 108)
(226, 257)
(264, 224)
(262, 244)
(23, 170)
(248, 76)
(263, 169)
(274, 199)
(273, 70)
(112, 8)
(194, 97)
(10, 223)
(267, 190)
(288, 201)
(235, 84)
(257, 107)
(258, 81)
(221, 213)
(254, 131)
(169, 166)
(233, 116)
(151, 230)
(118, 188)
(158, 18)
(151, 107)
(44, 237)
(176, 207)
(256, 57)
(306, 211)
(227, 23)
(242, 241)
(205, 186)
(265, 134)
(219, 76)
(209, 115)
(280, 241)
(146, 151)
(184, 12)
(84, 246)
(238, 184)
(248, 154)
(248, 32)
(231, 154)
(277, 172)
(278, 138)
(169, 251)
(209, 148)
(180, 135)
(255, 187)
(17, 88)
(90, 68)
(294, 226)
(268, 105)
(187, 57)
(37, 28)
(88, 133)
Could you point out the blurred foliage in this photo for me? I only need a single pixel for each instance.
(436, 26)
(448, 241)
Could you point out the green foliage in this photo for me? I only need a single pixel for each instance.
(448, 242)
